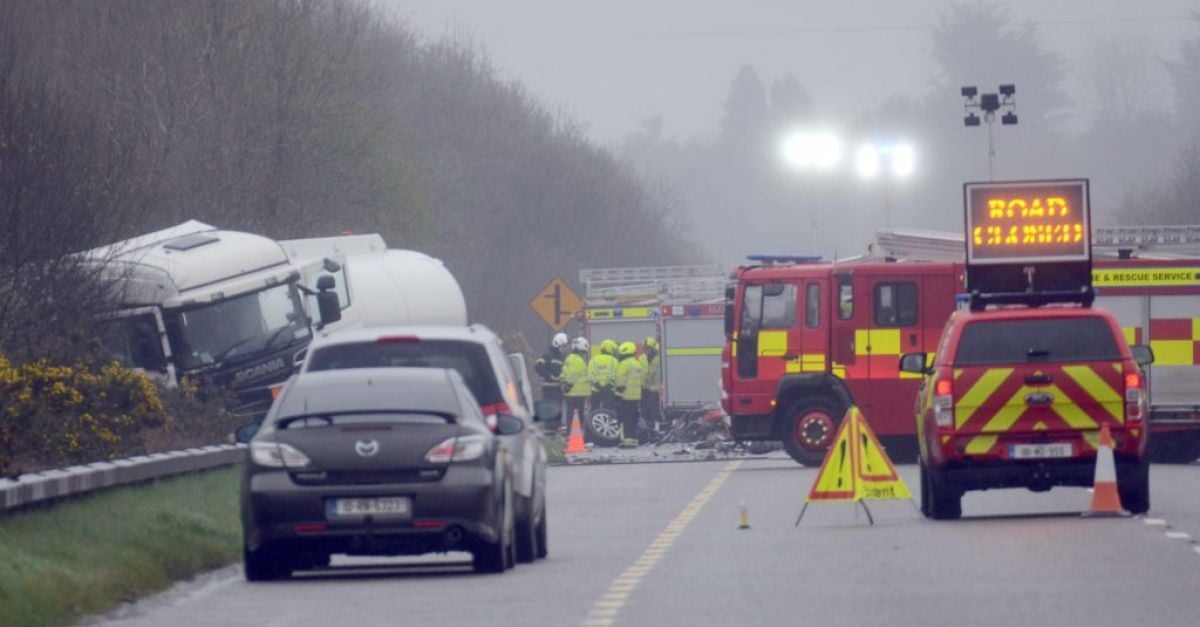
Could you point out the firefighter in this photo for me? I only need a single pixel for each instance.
(576, 386)
(549, 368)
(630, 375)
(652, 383)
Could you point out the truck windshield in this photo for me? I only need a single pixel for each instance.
(1036, 341)
(238, 328)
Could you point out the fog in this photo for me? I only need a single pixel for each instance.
(654, 81)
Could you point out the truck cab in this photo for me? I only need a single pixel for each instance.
(217, 307)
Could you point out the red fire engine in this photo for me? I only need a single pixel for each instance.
(806, 338)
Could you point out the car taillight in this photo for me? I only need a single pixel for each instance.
(461, 449)
(1135, 396)
(276, 455)
(491, 410)
(943, 403)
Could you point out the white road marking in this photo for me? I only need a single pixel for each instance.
(604, 610)
(1179, 535)
(1155, 521)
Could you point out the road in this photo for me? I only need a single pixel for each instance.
(658, 544)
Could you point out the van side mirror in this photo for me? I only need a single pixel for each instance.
(730, 292)
(1142, 354)
(245, 432)
(547, 411)
(507, 424)
(914, 363)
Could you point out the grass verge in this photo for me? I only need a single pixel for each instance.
(554, 446)
(83, 557)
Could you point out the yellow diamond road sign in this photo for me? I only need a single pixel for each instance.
(556, 304)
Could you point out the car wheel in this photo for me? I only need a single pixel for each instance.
(924, 490)
(527, 539)
(603, 427)
(945, 499)
(1134, 488)
(540, 532)
(265, 563)
(495, 557)
(808, 429)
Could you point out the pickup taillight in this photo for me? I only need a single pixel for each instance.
(1135, 396)
(943, 404)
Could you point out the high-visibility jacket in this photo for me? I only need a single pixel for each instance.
(653, 380)
(575, 376)
(602, 371)
(630, 374)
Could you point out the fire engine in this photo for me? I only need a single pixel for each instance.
(682, 307)
(806, 338)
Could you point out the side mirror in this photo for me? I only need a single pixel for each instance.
(546, 411)
(327, 304)
(298, 358)
(1142, 354)
(507, 424)
(246, 432)
(730, 293)
(914, 363)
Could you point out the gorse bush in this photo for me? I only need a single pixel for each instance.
(62, 414)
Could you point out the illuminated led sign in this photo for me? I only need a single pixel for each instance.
(1027, 221)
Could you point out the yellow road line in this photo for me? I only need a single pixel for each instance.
(605, 609)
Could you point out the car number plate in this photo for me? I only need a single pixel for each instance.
(1041, 451)
(398, 506)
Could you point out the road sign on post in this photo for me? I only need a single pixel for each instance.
(556, 304)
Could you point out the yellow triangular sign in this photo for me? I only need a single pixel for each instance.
(856, 468)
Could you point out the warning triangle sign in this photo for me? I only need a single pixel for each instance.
(856, 468)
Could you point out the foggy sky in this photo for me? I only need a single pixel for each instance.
(610, 63)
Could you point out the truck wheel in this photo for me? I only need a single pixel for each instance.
(945, 499)
(924, 490)
(603, 426)
(808, 429)
(1134, 488)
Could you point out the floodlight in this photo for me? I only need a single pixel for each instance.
(969, 92)
(1008, 90)
(971, 120)
(1008, 118)
(867, 160)
(827, 150)
(989, 102)
(903, 160)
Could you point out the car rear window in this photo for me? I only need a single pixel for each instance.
(468, 358)
(1037, 341)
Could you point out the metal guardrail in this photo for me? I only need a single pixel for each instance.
(51, 485)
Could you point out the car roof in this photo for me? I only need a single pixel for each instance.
(1033, 313)
(432, 390)
(472, 333)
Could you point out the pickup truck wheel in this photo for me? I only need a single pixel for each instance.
(603, 426)
(945, 499)
(808, 429)
(1134, 488)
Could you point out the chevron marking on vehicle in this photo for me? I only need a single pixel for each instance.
(980, 392)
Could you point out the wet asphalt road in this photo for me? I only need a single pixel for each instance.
(658, 544)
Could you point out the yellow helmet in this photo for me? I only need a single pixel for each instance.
(608, 347)
(627, 349)
(650, 343)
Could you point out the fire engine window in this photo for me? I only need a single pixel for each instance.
(779, 306)
(845, 300)
(752, 309)
(812, 306)
(895, 304)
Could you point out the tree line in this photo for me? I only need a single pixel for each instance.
(289, 118)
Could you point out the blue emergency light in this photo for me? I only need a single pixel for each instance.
(767, 258)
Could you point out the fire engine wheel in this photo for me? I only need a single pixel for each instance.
(603, 427)
(940, 500)
(809, 429)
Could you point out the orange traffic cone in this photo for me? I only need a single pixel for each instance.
(575, 436)
(1105, 499)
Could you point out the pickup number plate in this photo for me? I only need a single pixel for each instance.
(1054, 450)
(391, 506)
